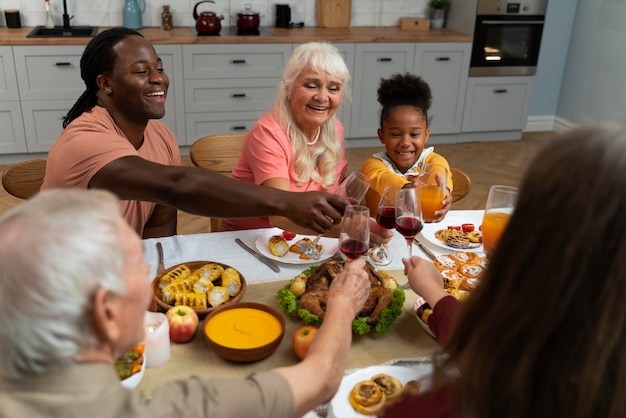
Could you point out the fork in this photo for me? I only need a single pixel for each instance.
(310, 249)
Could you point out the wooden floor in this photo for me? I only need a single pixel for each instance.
(487, 163)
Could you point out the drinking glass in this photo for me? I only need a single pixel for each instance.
(386, 218)
(354, 238)
(432, 183)
(500, 205)
(354, 187)
(408, 215)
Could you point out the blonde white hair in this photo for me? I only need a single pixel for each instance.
(318, 163)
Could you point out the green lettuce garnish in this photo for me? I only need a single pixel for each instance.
(290, 307)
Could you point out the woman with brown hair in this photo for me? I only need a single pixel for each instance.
(544, 335)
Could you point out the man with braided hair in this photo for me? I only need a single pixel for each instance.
(112, 140)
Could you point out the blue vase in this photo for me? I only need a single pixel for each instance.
(131, 14)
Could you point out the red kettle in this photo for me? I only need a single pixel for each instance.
(207, 23)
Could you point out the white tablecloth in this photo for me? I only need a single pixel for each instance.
(221, 247)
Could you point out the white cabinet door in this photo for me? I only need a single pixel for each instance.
(50, 72)
(444, 66)
(228, 87)
(8, 79)
(12, 139)
(172, 57)
(496, 103)
(372, 62)
(43, 122)
(345, 111)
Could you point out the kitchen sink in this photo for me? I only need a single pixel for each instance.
(60, 32)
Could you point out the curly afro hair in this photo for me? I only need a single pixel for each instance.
(404, 90)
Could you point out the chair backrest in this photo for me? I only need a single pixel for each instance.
(462, 184)
(24, 179)
(217, 152)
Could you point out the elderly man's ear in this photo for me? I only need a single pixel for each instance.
(107, 316)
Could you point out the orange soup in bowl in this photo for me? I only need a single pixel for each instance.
(243, 328)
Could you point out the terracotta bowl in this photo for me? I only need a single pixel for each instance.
(219, 331)
(193, 265)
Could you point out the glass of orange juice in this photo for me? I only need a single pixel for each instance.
(500, 205)
(432, 182)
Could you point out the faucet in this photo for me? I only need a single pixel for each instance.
(66, 17)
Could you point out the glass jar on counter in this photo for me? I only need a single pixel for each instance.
(166, 18)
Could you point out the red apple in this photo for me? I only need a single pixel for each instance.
(302, 339)
(183, 322)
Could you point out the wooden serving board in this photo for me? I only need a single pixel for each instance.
(334, 13)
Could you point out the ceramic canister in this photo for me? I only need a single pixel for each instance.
(131, 14)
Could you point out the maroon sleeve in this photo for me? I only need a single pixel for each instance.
(436, 403)
(442, 320)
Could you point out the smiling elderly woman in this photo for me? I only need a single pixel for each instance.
(298, 145)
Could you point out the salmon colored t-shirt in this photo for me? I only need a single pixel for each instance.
(267, 154)
(92, 141)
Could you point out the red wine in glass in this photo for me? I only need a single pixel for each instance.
(408, 226)
(353, 248)
(386, 217)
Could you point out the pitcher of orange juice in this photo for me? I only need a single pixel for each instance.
(500, 205)
(432, 182)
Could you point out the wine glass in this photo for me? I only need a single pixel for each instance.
(498, 210)
(408, 215)
(354, 187)
(354, 238)
(386, 218)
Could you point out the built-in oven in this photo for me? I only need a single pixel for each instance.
(507, 36)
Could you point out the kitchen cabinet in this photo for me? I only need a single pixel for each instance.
(49, 82)
(444, 67)
(228, 87)
(345, 110)
(496, 104)
(13, 139)
(172, 58)
(372, 62)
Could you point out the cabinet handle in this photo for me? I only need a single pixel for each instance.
(238, 128)
(238, 62)
(238, 95)
(442, 59)
(384, 59)
(63, 64)
(499, 91)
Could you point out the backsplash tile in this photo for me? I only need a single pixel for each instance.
(109, 12)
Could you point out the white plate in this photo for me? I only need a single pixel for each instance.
(452, 219)
(329, 247)
(132, 381)
(340, 405)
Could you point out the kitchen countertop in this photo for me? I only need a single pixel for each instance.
(185, 35)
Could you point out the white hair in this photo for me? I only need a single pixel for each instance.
(55, 251)
(324, 58)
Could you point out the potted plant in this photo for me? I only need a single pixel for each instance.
(438, 12)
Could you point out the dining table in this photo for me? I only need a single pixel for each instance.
(405, 341)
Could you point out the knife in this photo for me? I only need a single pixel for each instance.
(263, 259)
(429, 253)
(161, 266)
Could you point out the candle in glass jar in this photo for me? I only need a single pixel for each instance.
(157, 339)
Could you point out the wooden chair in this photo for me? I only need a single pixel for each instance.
(219, 153)
(462, 184)
(24, 179)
